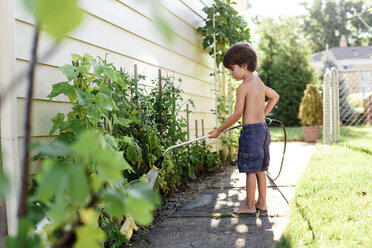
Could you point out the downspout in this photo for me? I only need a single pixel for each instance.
(8, 111)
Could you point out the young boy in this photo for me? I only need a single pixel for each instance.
(254, 141)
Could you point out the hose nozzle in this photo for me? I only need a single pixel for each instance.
(268, 121)
(158, 163)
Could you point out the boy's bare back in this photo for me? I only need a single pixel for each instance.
(251, 96)
(254, 100)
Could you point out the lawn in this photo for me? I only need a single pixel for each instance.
(293, 133)
(333, 202)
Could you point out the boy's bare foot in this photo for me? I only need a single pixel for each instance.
(261, 207)
(244, 210)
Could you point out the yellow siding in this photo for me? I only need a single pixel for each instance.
(127, 32)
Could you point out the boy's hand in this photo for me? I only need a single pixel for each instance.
(214, 134)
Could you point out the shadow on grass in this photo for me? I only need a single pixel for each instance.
(352, 132)
(358, 149)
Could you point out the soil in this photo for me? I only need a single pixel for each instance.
(182, 196)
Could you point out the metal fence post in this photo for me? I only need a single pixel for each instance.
(335, 106)
(326, 109)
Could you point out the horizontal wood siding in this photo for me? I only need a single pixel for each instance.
(126, 31)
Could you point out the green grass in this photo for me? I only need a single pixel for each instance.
(333, 202)
(293, 133)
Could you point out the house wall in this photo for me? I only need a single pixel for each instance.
(123, 29)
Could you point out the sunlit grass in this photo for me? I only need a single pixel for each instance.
(333, 202)
(293, 133)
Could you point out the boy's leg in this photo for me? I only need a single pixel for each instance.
(261, 181)
(249, 206)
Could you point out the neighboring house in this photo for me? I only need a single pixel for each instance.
(356, 61)
(125, 30)
(347, 57)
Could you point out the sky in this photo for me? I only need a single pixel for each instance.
(272, 8)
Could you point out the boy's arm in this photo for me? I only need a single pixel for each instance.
(273, 99)
(239, 107)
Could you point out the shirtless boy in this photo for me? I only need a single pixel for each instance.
(254, 141)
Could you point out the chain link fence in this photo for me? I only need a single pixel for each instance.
(347, 100)
(355, 88)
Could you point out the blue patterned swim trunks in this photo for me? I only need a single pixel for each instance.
(253, 152)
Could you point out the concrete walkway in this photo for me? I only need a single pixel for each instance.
(193, 227)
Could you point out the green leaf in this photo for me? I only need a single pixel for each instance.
(122, 122)
(109, 73)
(96, 182)
(61, 88)
(87, 143)
(59, 17)
(112, 103)
(76, 57)
(77, 126)
(57, 122)
(141, 202)
(69, 71)
(88, 236)
(93, 113)
(110, 142)
(114, 205)
(103, 101)
(25, 237)
(54, 181)
(61, 213)
(36, 211)
(110, 164)
(83, 97)
(78, 185)
(54, 148)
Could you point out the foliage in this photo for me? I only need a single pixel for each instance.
(311, 107)
(328, 62)
(82, 180)
(57, 17)
(71, 156)
(104, 146)
(230, 28)
(284, 66)
(327, 20)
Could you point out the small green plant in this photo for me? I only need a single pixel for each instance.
(311, 107)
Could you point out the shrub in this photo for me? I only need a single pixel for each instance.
(311, 107)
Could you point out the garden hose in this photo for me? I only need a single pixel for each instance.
(158, 163)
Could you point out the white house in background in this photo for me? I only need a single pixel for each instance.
(347, 57)
(126, 31)
(357, 61)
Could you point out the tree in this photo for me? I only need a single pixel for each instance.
(327, 20)
(284, 65)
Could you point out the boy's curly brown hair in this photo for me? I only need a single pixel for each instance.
(239, 54)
